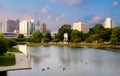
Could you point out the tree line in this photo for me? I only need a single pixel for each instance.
(97, 34)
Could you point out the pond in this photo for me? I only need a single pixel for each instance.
(66, 61)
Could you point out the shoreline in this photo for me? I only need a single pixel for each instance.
(77, 45)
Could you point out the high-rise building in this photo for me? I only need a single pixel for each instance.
(43, 27)
(27, 27)
(109, 23)
(80, 26)
(9, 25)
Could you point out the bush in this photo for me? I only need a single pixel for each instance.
(11, 42)
(100, 41)
(114, 41)
(29, 40)
(46, 40)
(20, 39)
(56, 40)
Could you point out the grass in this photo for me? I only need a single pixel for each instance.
(14, 50)
(7, 59)
(77, 45)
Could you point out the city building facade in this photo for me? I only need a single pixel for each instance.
(27, 27)
(9, 25)
(80, 26)
(109, 23)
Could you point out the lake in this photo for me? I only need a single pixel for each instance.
(66, 61)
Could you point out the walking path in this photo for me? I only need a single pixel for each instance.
(22, 62)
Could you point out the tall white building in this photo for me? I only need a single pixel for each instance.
(27, 27)
(109, 23)
(80, 26)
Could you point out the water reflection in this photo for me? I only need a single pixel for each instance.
(3, 73)
(74, 61)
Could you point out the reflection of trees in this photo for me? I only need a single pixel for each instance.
(65, 56)
(3, 73)
(69, 55)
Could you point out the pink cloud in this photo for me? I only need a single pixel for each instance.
(95, 19)
(36, 14)
(59, 18)
(69, 2)
(30, 15)
(115, 3)
(73, 2)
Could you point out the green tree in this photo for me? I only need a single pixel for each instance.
(56, 38)
(64, 29)
(97, 29)
(116, 33)
(3, 45)
(20, 36)
(92, 38)
(105, 35)
(11, 42)
(77, 36)
(114, 40)
(36, 36)
(115, 37)
(47, 37)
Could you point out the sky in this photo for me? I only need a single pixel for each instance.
(55, 13)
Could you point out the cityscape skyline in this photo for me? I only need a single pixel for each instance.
(55, 13)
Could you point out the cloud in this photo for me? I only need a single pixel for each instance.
(115, 3)
(69, 2)
(44, 11)
(59, 18)
(30, 15)
(36, 14)
(95, 19)
(49, 16)
(73, 2)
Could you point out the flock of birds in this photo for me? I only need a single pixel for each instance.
(62, 68)
(49, 68)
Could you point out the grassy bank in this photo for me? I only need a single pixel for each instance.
(14, 50)
(7, 60)
(77, 45)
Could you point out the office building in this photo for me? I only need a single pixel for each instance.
(9, 25)
(80, 26)
(27, 27)
(109, 23)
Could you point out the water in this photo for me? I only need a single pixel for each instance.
(76, 61)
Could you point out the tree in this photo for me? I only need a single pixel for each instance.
(77, 36)
(116, 33)
(47, 37)
(92, 38)
(114, 40)
(57, 38)
(36, 36)
(105, 34)
(20, 36)
(64, 29)
(97, 29)
(11, 43)
(3, 45)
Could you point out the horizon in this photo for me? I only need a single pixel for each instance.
(55, 13)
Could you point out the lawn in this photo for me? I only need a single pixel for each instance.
(7, 60)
